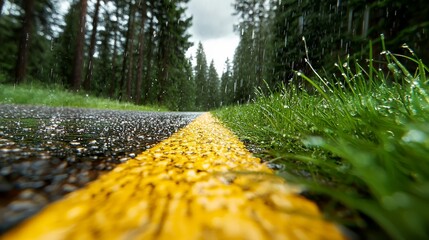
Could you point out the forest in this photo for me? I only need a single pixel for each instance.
(135, 50)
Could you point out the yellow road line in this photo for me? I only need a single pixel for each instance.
(201, 183)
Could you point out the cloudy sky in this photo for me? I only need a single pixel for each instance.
(213, 26)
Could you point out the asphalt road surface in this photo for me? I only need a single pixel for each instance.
(47, 152)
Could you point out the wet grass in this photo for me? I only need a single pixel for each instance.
(359, 143)
(56, 96)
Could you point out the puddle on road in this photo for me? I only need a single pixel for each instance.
(46, 153)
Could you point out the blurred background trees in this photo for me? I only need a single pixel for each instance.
(272, 34)
(131, 50)
(135, 50)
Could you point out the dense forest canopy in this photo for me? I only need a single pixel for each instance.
(135, 50)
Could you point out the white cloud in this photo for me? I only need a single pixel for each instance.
(213, 25)
(212, 19)
(218, 50)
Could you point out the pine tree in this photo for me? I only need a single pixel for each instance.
(187, 89)
(138, 93)
(249, 60)
(25, 38)
(244, 71)
(213, 87)
(90, 66)
(65, 47)
(200, 73)
(9, 25)
(226, 91)
(104, 73)
(115, 88)
(76, 77)
(173, 42)
(149, 92)
(128, 58)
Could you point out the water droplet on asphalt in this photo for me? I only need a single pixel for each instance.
(53, 151)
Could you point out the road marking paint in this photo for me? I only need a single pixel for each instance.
(201, 183)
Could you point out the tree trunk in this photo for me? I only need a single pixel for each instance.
(163, 73)
(115, 55)
(164, 47)
(76, 76)
(88, 77)
(114, 67)
(141, 54)
(148, 79)
(131, 55)
(24, 42)
(127, 63)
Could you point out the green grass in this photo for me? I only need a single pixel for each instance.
(358, 142)
(56, 96)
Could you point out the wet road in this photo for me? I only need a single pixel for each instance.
(201, 183)
(46, 153)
